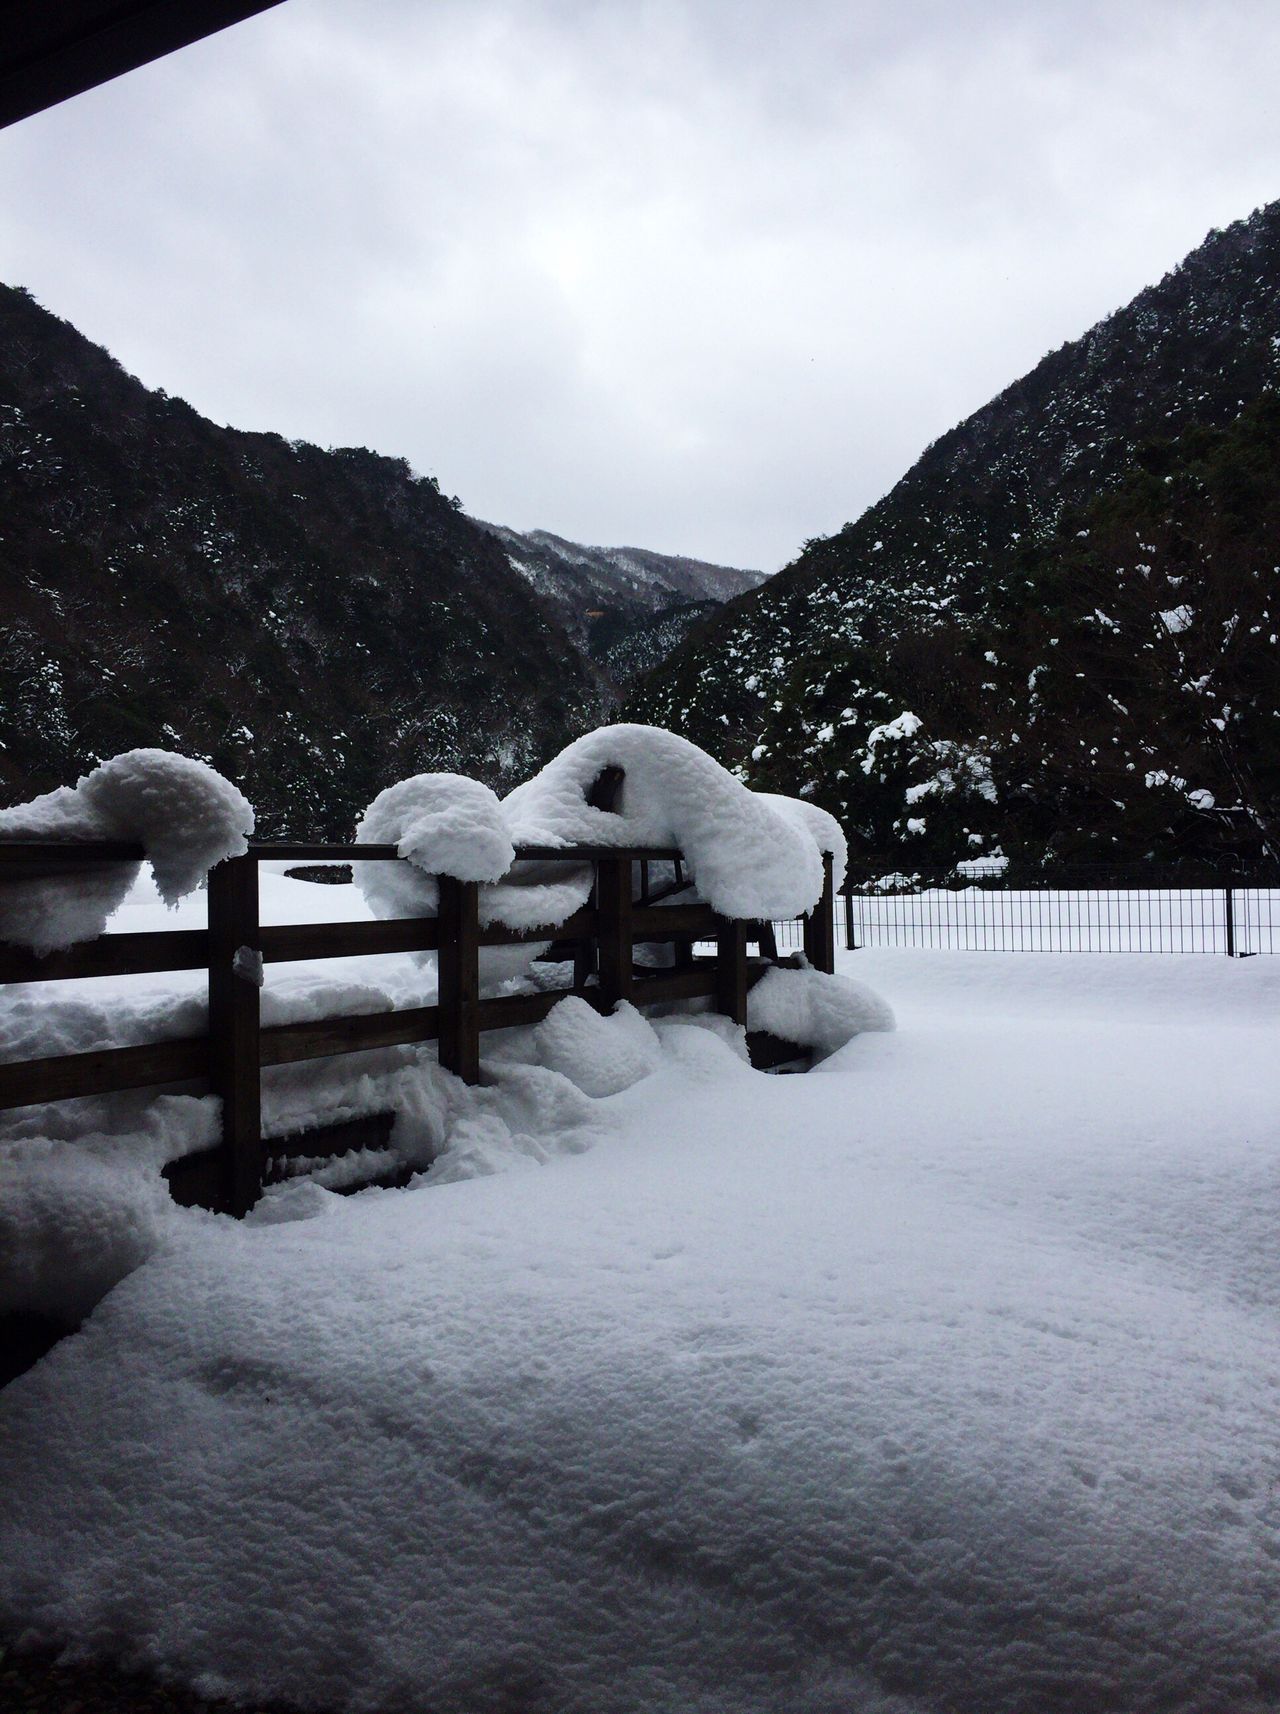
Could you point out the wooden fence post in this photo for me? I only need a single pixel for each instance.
(459, 977)
(585, 953)
(731, 970)
(613, 896)
(820, 925)
(235, 982)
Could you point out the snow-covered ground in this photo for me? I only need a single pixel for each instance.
(943, 1378)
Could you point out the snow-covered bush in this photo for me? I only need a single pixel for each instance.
(182, 812)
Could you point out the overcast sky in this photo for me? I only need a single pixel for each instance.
(703, 277)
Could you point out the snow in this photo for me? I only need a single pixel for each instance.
(906, 725)
(445, 824)
(184, 814)
(756, 856)
(74, 1221)
(1177, 619)
(993, 863)
(815, 1010)
(942, 1378)
(752, 855)
(599, 1055)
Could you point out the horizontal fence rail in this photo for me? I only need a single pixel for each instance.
(1074, 910)
(598, 941)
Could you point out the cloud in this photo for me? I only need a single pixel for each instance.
(703, 277)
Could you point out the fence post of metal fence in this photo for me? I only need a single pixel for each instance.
(1230, 899)
(458, 968)
(235, 981)
(849, 942)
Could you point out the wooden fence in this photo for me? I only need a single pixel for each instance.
(228, 1059)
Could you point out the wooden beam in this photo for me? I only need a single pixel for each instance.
(199, 1180)
(285, 1044)
(50, 856)
(310, 851)
(592, 853)
(580, 926)
(349, 939)
(366, 1131)
(459, 978)
(820, 925)
(731, 970)
(102, 1071)
(698, 982)
(673, 922)
(613, 892)
(110, 955)
(235, 976)
(767, 1051)
(605, 791)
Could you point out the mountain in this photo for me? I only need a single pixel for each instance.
(313, 623)
(626, 607)
(1055, 638)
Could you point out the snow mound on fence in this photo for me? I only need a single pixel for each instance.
(182, 812)
(755, 857)
(447, 824)
(815, 1010)
(444, 824)
(752, 855)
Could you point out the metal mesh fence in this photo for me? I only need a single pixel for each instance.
(1077, 911)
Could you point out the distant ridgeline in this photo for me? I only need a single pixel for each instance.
(314, 624)
(1057, 635)
(626, 608)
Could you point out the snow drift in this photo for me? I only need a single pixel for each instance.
(747, 854)
(184, 814)
(752, 855)
(944, 1381)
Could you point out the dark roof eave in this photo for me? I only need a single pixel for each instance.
(54, 49)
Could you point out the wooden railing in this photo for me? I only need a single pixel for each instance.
(229, 1058)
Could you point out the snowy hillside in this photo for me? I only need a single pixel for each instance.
(1055, 635)
(312, 622)
(627, 607)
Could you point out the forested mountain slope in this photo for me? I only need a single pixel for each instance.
(315, 624)
(626, 607)
(1056, 634)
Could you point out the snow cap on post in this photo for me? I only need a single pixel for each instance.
(181, 811)
(754, 857)
(443, 824)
